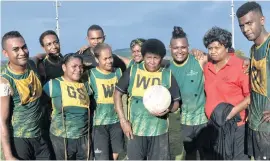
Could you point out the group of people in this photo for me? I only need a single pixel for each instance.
(70, 106)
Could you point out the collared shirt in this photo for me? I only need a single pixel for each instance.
(229, 85)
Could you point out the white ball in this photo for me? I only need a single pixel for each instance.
(157, 99)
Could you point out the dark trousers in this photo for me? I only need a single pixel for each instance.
(76, 149)
(149, 147)
(31, 148)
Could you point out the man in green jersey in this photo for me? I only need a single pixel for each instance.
(189, 76)
(147, 132)
(251, 22)
(21, 89)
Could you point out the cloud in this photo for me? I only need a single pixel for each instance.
(214, 6)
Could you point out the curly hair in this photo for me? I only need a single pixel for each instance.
(153, 46)
(138, 41)
(178, 33)
(223, 36)
(247, 7)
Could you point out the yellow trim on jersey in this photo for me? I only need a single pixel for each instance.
(257, 47)
(16, 73)
(103, 71)
(180, 65)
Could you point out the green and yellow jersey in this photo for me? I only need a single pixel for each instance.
(190, 79)
(260, 85)
(25, 104)
(135, 81)
(70, 103)
(103, 85)
(132, 62)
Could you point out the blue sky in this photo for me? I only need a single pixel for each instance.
(121, 21)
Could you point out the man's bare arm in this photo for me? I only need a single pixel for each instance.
(118, 105)
(38, 57)
(239, 107)
(4, 121)
(175, 105)
(124, 59)
(202, 57)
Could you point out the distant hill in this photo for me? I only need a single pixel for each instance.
(3, 62)
(126, 52)
(122, 52)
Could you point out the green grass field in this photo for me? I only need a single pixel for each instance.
(176, 147)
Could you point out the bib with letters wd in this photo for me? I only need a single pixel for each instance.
(143, 123)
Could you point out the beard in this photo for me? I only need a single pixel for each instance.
(54, 56)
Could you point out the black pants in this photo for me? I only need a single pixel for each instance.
(194, 137)
(258, 144)
(31, 148)
(76, 149)
(149, 147)
(107, 139)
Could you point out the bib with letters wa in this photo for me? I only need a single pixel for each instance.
(103, 85)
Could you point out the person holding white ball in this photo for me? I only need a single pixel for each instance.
(147, 130)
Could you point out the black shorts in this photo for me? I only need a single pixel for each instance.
(258, 144)
(30, 148)
(107, 139)
(194, 137)
(76, 149)
(149, 147)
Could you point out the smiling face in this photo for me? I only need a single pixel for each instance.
(136, 53)
(51, 45)
(16, 51)
(251, 25)
(179, 49)
(105, 59)
(73, 69)
(95, 37)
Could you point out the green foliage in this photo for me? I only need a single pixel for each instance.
(240, 53)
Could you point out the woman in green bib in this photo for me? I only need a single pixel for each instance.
(107, 133)
(70, 125)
